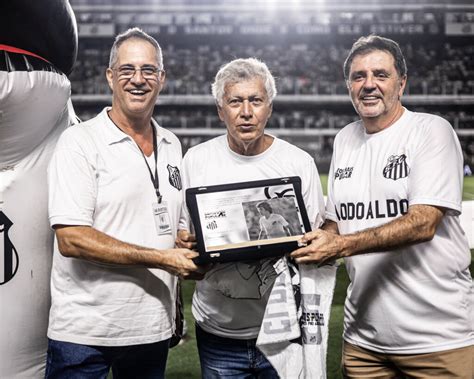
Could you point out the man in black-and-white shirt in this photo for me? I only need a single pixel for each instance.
(394, 197)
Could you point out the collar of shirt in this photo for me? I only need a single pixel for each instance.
(114, 135)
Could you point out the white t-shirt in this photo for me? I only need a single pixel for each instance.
(230, 301)
(273, 226)
(98, 177)
(417, 299)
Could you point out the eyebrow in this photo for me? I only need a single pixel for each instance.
(250, 98)
(360, 72)
(376, 71)
(382, 71)
(129, 65)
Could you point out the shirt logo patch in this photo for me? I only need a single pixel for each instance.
(397, 167)
(343, 173)
(10, 256)
(174, 177)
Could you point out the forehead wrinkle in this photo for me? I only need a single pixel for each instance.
(380, 57)
(133, 50)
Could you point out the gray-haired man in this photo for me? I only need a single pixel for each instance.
(229, 303)
(115, 200)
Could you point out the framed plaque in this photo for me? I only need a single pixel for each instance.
(248, 220)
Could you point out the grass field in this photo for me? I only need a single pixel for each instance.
(184, 362)
(468, 189)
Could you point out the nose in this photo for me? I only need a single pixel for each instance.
(137, 77)
(369, 82)
(246, 110)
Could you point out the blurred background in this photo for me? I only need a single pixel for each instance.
(304, 43)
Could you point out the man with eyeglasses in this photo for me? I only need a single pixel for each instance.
(115, 200)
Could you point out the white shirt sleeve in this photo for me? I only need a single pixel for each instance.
(71, 183)
(436, 169)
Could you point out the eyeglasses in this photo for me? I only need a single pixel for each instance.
(148, 72)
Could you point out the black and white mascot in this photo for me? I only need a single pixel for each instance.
(38, 47)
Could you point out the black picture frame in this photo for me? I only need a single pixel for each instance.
(259, 248)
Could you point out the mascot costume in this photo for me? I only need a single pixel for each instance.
(38, 47)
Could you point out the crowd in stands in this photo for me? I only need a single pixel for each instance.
(302, 69)
(434, 68)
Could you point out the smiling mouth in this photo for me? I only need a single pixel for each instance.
(137, 92)
(369, 100)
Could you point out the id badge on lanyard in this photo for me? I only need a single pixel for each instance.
(162, 218)
(160, 207)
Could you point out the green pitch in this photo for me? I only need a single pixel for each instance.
(468, 188)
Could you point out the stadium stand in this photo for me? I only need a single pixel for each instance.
(304, 45)
(301, 69)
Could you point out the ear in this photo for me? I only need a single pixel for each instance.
(162, 79)
(270, 111)
(220, 112)
(109, 74)
(403, 82)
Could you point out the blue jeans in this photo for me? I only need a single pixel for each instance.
(231, 358)
(75, 361)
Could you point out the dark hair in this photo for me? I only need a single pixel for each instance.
(265, 206)
(371, 43)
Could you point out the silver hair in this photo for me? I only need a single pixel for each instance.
(139, 34)
(240, 70)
